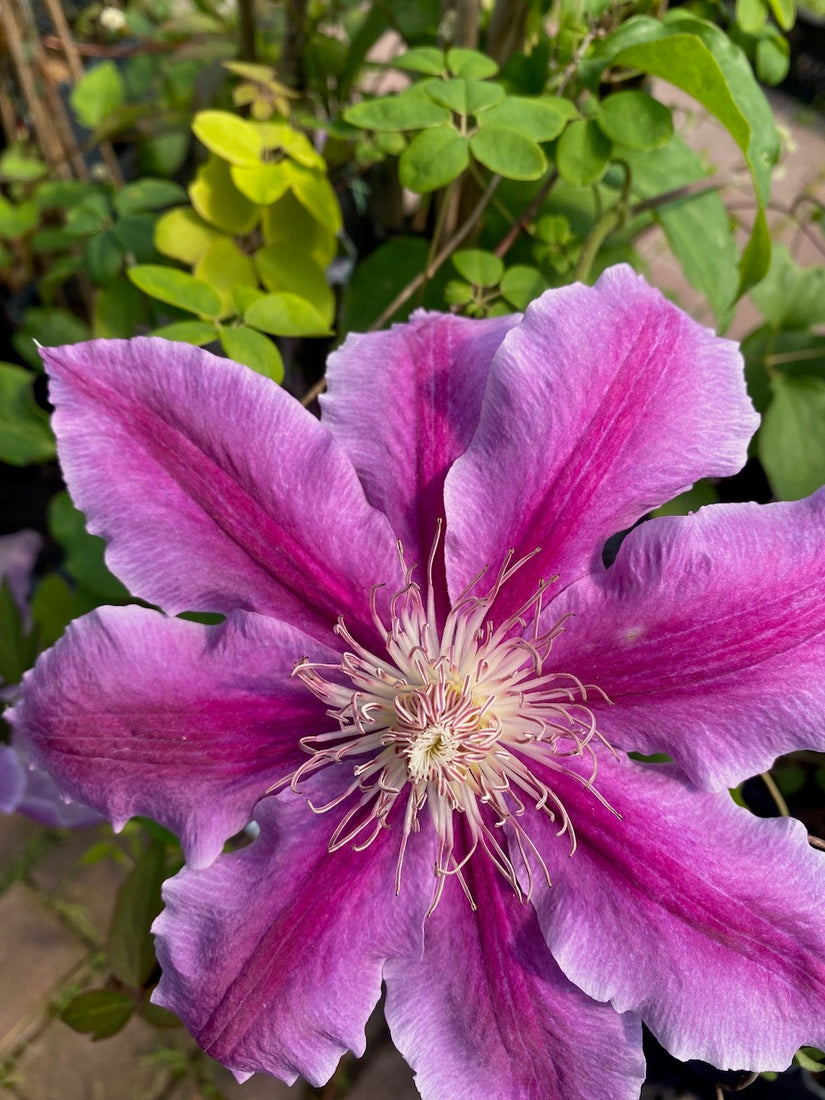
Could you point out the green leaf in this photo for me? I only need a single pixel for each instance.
(286, 314)
(692, 500)
(244, 296)
(509, 153)
(136, 235)
(784, 12)
(219, 202)
(119, 309)
(62, 194)
(701, 60)
(298, 273)
(314, 191)
(17, 220)
(183, 235)
(60, 270)
(16, 165)
(99, 91)
(773, 56)
(198, 333)
(635, 119)
(254, 350)
(84, 552)
(25, 435)
(279, 136)
(53, 606)
(99, 1012)
(232, 138)
(583, 153)
(423, 59)
(751, 15)
(102, 257)
(89, 216)
(756, 256)
(457, 293)
(148, 194)
(791, 441)
(470, 64)
(17, 648)
(433, 159)
(223, 266)
(264, 184)
(176, 288)
(130, 949)
(537, 119)
(288, 224)
(520, 285)
(478, 267)
(791, 297)
(412, 109)
(465, 97)
(695, 226)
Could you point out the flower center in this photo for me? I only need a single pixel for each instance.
(456, 722)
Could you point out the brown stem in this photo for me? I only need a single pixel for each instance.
(507, 242)
(246, 30)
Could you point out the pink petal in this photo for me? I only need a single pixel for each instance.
(603, 403)
(273, 955)
(214, 489)
(487, 1012)
(133, 713)
(12, 780)
(708, 635)
(405, 403)
(691, 912)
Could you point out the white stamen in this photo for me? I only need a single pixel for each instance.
(453, 723)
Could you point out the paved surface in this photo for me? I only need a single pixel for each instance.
(54, 910)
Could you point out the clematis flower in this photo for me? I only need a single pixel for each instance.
(427, 686)
(23, 787)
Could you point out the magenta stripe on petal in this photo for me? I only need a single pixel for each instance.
(487, 1012)
(708, 636)
(273, 955)
(133, 713)
(213, 487)
(602, 404)
(687, 909)
(405, 404)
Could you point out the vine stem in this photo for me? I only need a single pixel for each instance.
(424, 276)
(775, 794)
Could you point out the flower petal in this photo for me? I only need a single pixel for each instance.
(12, 780)
(405, 403)
(603, 403)
(487, 1012)
(690, 911)
(133, 713)
(708, 635)
(214, 489)
(273, 955)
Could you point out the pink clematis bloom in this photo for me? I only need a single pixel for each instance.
(426, 688)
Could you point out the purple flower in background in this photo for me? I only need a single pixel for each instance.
(23, 788)
(427, 686)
